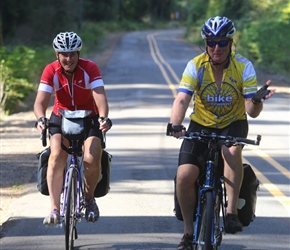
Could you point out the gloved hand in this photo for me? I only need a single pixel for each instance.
(176, 128)
(260, 94)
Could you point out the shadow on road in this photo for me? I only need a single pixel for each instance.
(129, 232)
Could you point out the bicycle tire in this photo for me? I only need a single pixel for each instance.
(70, 215)
(217, 232)
(206, 223)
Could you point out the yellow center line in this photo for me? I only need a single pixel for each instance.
(163, 61)
(274, 163)
(272, 188)
(152, 45)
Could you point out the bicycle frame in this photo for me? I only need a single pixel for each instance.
(72, 197)
(80, 190)
(212, 185)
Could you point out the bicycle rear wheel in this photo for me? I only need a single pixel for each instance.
(70, 210)
(206, 223)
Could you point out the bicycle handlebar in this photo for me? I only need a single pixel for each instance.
(207, 137)
(43, 136)
(224, 139)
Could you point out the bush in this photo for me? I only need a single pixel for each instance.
(267, 43)
(15, 69)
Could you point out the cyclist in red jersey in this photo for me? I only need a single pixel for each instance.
(78, 85)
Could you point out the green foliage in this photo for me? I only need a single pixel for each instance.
(197, 12)
(268, 51)
(262, 29)
(20, 61)
(13, 90)
(232, 9)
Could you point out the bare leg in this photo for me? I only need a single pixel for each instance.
(92, 164)
(186, 177)
(233, 173)
(56, 165)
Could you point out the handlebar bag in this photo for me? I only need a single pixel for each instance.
(248, 196)
(103, 187)
(42, 171)
(74, 123)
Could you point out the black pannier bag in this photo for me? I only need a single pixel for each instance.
(103, 186)
(248, 196)
(42, 171)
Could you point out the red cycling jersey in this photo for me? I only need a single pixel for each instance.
(86, 77)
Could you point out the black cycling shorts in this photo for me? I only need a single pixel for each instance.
(91, 130)
(191, 152)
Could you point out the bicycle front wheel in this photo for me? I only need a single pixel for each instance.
(70, 210)
(206, 223)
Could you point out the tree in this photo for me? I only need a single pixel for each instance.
(1, 30)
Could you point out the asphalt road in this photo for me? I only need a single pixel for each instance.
(141, 80)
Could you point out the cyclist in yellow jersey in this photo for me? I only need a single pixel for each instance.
(223, 87)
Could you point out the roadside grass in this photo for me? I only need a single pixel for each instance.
(17, 187)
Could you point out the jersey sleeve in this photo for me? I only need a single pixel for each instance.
(96, 79)
(249, 81)
(46, 79)
(188, 79)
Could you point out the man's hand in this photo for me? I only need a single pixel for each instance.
(263, 93)
(175, 130)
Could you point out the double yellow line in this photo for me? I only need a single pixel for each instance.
(159, 60)
(272, 188)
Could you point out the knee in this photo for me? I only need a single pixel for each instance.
(187, 176)
(91, 159)
(232, 152)
(57, 158)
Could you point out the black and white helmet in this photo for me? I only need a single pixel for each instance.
(67, 42)
(218, 27)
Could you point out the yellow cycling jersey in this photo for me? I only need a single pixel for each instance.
(217, 107)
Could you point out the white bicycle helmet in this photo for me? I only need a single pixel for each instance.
(67, 42)
(218, 27)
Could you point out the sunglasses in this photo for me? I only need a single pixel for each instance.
(222, 43)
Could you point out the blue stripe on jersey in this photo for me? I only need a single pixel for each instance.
(186, 91)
